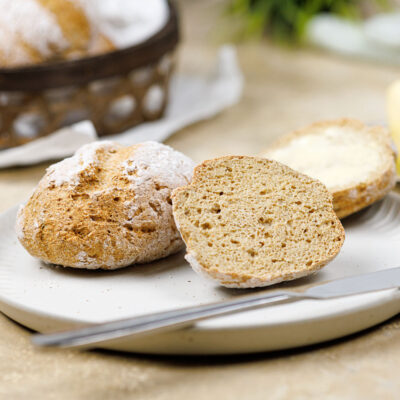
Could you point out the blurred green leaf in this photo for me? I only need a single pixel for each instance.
(286, 21)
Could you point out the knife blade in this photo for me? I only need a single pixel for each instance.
(174, 319)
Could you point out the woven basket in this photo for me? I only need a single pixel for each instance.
(116, 90)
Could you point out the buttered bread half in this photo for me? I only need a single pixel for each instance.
(106, 207)
(250, 222)
(357, 163)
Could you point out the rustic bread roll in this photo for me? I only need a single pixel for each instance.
(355, 162)
(251, 222)
(37, 31)
(41, 31)
(106, 207)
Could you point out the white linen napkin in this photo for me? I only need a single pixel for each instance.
(192, 98)
(59, 144)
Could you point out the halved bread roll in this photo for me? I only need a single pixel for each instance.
(357, 163)
(251, 222)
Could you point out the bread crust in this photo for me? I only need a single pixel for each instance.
(349, 200)
(244, 280)
(67, 30)
(106, 207)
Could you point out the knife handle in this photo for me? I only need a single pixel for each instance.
(161, 321)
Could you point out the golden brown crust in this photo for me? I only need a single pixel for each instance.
(79, 36)
(112, 211)
(351, 199)
(72, 21)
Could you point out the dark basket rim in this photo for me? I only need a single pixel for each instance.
(88, 69)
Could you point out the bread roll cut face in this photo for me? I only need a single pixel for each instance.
(250, 222)
(106, 207)
(354, 161)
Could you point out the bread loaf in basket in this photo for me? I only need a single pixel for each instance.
(79, 71)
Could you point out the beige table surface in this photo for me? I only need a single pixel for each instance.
(284, 90)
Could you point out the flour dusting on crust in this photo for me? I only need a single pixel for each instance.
(37, 31)
(19, 223)
(31, 23)
(106, 207)
(153, 159)
(70, 170)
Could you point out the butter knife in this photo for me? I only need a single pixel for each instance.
(151, 323)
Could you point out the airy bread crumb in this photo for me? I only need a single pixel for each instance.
(251, 222)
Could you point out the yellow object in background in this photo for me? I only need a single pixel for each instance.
(393, 112)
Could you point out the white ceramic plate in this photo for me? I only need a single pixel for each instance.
(47, 298)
